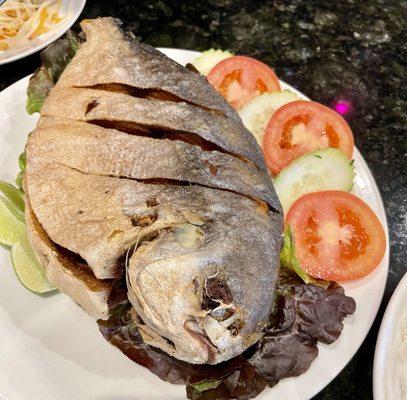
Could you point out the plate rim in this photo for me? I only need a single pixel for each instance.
(317, 387)
(50, 40)
(382, 344)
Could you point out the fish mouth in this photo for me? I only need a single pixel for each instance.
(209, 336)
(210, 319)
(218, 327)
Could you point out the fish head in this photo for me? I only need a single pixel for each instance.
(193, 291)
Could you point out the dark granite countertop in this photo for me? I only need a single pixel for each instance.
(341, 50)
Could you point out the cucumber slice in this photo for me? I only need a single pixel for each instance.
(327, 169)
(12, 194)
(209, 58)
(256, 114)
(27, 268)
(11, 222)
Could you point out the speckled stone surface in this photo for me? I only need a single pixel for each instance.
(330, 50)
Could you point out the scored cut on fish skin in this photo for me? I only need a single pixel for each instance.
(202, 261)
(88, 148)
(111, 56)
(89, 105)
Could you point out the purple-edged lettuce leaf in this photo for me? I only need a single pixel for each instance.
(303, 315)
(283, 355)
(121, 331)
(54, 59)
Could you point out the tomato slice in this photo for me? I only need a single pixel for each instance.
(336, 235)
(300, 127)
(241, 78)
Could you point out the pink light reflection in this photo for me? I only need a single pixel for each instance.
(342, 107)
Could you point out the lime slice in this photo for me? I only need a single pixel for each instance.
(27, 268)
(12, 194)
(11, 222)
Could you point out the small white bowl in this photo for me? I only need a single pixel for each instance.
(389, 372)
(74, 7)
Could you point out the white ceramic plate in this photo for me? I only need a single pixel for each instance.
(389, 381)
(50, 349)
(72, 8)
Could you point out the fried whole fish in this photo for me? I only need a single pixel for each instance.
(140, 172)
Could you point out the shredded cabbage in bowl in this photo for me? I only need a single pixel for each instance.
(22, 20)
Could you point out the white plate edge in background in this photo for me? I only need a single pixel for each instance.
(394, 309)
(42, 41)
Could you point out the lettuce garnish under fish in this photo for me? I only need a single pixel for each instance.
(303, 315)
(54, 60)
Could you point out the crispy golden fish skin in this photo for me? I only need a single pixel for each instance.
(110, 56)
(143, 172)
(193, 122)
(69, 275)
(88, 148)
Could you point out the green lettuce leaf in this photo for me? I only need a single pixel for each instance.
(289, 260)
(38, 89)
(54, 59)
(206, 385)
(19, 180)
(22, 161)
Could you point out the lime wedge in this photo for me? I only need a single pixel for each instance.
(27, 268)
(12, 194)
(11, 222)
